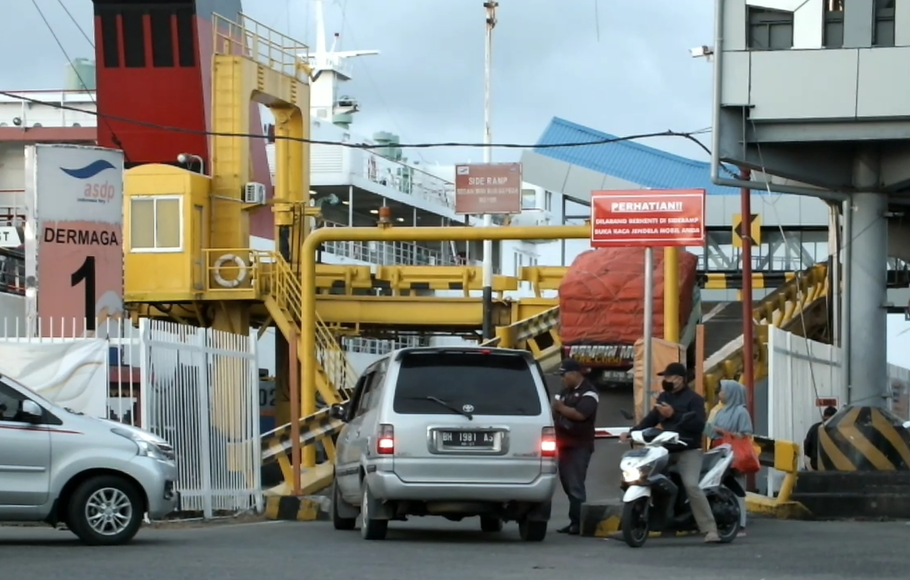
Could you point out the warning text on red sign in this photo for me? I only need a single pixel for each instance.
(647, 218)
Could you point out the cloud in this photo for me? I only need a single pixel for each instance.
(629, 72)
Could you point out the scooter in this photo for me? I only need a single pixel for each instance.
(654, 498)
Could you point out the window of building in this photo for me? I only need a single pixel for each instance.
(548, 200)
(883, 32)
(834, 24)
(519, 262)
(156, 224)
(770, 29)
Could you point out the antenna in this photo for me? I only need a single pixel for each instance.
(331, 66)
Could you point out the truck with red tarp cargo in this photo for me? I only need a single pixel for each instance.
(601, 307)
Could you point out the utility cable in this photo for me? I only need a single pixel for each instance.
(76, 23)
(82, 82)
(431, 145)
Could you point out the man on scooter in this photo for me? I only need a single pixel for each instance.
(682, 410)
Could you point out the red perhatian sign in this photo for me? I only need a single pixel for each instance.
(493, 188)
(648, 217)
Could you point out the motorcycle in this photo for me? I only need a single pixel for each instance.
(654, 498)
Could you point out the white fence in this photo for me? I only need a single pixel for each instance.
(804, 377)
(197, 388)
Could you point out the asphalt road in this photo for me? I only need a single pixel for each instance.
(439, 550)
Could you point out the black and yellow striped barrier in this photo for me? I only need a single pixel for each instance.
(734, 280)
(863, 439)
(277, 469)
(782, 456)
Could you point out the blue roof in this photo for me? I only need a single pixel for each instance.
(627, 160)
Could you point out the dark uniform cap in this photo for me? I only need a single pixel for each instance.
(674, 370)
(569, 366)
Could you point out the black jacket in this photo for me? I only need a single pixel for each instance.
(691, 429)
(584, 398)
(810, 445)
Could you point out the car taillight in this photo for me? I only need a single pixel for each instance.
(385, 443)
(548, 442)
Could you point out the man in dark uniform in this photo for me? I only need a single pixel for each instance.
(574, 412)
(810, 445)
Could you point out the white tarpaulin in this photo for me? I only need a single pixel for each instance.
(72, 374)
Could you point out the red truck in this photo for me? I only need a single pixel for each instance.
(601, 308)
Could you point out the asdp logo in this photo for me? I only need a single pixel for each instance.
(95, 190)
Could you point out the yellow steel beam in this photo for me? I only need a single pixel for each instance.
(543, 277)
(528, 307)
(399, 278)
(429, 312)
(464, 278)
(392, 234)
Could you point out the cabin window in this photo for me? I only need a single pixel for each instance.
(156, 223)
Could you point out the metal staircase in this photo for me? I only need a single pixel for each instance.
(280, 289)
(799, 306)
(280, 285)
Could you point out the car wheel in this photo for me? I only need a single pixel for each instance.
(532, 531)
(105, 511)
(370, 529)
(490, 524)
(339, 522)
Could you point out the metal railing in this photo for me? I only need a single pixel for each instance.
(407, 179)
(268, 274)
(379, 346)
(49, 115)
(388, 253)
(260, 43)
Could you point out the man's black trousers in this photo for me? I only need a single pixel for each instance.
(573, 469)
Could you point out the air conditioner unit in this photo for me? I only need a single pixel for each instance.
(254, 193)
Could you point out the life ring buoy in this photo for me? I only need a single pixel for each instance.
(241, 266)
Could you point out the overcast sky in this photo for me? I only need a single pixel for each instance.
(620, 66)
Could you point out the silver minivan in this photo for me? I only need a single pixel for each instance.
(98, 477)
(447, 431)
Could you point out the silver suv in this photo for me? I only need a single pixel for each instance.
(453, 432)
(97, 477)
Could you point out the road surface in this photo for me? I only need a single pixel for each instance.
(435, 549)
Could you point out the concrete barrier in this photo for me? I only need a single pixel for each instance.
(293, 508)
(782, 456)
(863, 439)
(600, 519)
(857, 494)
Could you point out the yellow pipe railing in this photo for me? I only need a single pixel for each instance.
(394, 234)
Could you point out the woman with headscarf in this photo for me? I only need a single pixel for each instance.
(733, 420)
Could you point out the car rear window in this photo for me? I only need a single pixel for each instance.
(483, 384)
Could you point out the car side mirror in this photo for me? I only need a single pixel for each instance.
(32, 411)
(338, 411)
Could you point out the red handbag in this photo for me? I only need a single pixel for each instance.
(745, 460)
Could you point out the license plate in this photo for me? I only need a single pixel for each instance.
(467, 439)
